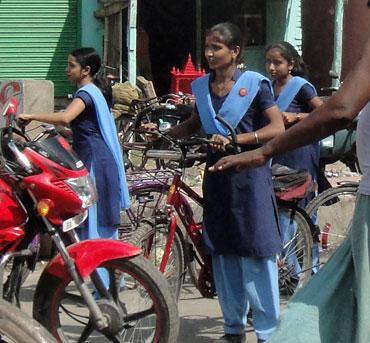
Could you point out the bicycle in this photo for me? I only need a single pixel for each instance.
(166, 111)
(159, 200)
(332, 209)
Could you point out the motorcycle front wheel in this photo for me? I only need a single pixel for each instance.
(139, 308)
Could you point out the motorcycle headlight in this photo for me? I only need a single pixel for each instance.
(84, 188)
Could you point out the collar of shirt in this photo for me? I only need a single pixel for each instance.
(235, 77)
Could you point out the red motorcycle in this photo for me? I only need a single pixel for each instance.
(45, 188)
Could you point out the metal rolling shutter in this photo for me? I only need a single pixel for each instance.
(35, 39)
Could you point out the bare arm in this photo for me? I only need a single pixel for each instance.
(74, 109)
(293, 118)
(338, 112)
(187, 128)
(274, 128)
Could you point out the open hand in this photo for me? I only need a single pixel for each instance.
(248, 159)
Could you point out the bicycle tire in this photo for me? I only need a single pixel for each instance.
(17, 327)
(293, 276)
(147, 202)
(334, 211)
(139, 276)
(152, 199)
(134, 147)
(152, 240)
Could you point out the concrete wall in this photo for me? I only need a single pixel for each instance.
(33, 96)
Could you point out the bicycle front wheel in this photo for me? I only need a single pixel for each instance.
(17, 327)
(147, 202)
(332, 212)
(152, 240)
(134, 147)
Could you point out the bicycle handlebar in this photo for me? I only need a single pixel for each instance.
(171, 155)
(234, 144)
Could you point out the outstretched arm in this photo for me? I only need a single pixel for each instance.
(58, 118)
(337, 113)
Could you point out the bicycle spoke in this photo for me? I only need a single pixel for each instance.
(139, 315)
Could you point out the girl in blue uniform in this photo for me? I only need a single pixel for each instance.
(296, 98)
(240, 219)
(95, 141)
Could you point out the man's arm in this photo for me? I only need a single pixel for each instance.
(338, 112)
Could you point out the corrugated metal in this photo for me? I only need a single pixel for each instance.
(35, 39)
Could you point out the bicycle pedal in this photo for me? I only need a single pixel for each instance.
(189, 250)
(161, 219)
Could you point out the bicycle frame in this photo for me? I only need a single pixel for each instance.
(177, 205)
(176, 201)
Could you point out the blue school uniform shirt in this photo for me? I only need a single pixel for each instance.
(306, 157)
(240, 214)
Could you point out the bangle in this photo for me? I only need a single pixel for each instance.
(256, 137)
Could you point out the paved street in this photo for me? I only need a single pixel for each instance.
(200, 319)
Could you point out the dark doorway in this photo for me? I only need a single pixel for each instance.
(170, 29)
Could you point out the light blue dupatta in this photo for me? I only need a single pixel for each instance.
(235, 106)
(108, 131)
(290, 91)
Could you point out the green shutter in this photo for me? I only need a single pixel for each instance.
(35, 39)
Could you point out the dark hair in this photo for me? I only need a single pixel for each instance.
(230, 35)
(88, 57)
(288, 51)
